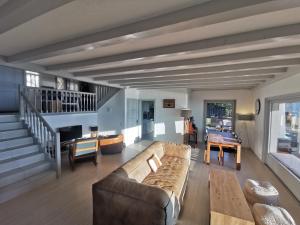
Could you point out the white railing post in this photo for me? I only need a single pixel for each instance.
(21, 104)
(58, 154)
(49, 139)
(46, 100)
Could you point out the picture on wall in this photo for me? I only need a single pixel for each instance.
(169, 103)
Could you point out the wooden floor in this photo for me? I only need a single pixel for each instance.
(68, 201)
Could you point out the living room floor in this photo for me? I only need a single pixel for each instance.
(68, 201)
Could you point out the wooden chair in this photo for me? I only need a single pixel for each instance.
(192, 134)
(83, 148)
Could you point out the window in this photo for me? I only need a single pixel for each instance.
(60, 83)
(32, 79)
(284, 129)
(220, 114)
(72, 85)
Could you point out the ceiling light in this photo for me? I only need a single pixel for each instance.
(130, 36)
(182, 67)
(89, 48)
(278, 39)
(160, 56)
(181, 53)
(135, 59)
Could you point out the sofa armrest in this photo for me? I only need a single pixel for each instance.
(119, 200)
(120, 185)
(178, 150)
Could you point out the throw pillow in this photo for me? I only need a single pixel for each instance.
(154, 163)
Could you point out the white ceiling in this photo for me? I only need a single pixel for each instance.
(209, 31)
(82, 17)
(2, 2)
(107, 37)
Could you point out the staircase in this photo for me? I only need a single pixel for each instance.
(104, 93)
(23, 166)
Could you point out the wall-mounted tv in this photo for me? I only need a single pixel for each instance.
(70, 133)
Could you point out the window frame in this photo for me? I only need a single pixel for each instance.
(34, 79)
(232, 101)
(268, 108)
(286, 176)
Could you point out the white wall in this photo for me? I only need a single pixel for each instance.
(64, 120)
(111, 115)
(286, 86)
(131, 130)
(168, 125)
(244, 105)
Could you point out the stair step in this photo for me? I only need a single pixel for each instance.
(8, 118)
(11, 126)
(13, 190)
(17, 152)
(21, 161)
(14, 143)
(23, 173)
(13, 134)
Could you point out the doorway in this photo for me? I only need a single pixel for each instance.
(11, 79)
(132, 130)
(219, 114)
(147, 116)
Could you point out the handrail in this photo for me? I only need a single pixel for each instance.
(48, 139)
(47, 100)
(104, 93)
(38, 114)
(61, 90)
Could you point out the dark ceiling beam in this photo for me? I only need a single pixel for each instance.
(275, 34)
(211, 12)
(234, 58)
(16, 12)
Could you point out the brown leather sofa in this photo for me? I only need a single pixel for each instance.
(134, 195)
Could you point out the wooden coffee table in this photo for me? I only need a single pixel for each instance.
(228, 205)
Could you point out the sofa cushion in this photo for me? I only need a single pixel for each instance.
(178, 150)
(138, 167)
(170, 176)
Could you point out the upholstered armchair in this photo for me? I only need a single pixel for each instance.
(83, 148)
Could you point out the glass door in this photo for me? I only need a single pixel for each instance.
(283, 154)
(284, 133)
